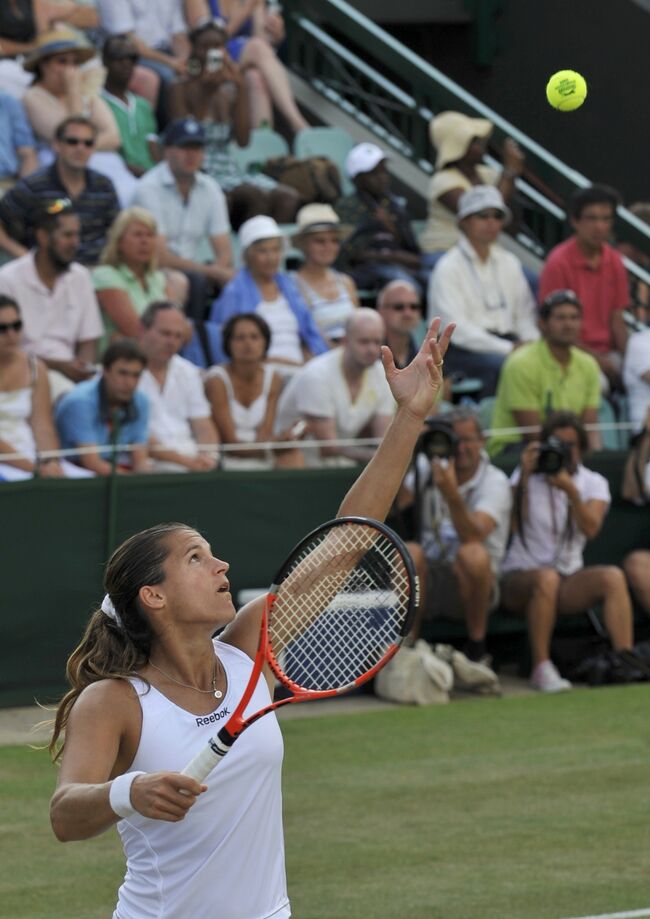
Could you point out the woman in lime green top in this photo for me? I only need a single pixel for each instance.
(127, 279)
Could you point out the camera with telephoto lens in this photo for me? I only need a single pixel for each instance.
(439, 441)
(213, 60)
(554, 455)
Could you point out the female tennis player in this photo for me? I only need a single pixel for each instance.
(150, 686)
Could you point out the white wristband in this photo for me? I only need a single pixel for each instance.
(119, 796)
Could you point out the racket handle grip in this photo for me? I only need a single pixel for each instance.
(209, 757)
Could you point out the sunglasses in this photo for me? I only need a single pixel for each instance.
(58, 206)
(75, 141)
(14, 326)
(400, 307)
(487, 215)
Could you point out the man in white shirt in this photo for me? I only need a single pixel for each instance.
(636, 376)
(481, 287)
(180, 419)
(62, 322)
(463, 508)
(191, 213)
(342, 394)
(556, 511)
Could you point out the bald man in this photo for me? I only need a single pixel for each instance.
(342, 395)
(399, 306)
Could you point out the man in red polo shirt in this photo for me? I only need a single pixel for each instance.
(589, 266)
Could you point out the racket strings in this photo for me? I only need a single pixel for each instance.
(340, 608)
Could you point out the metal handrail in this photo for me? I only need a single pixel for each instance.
(354, 63)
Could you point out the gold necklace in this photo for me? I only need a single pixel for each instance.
(213, 692)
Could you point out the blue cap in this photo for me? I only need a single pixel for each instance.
(184, 131)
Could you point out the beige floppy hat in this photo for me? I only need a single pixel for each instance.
(59, 41)
(314, 218)
(452, 132)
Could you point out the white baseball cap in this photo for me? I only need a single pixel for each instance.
(256, 229)
(363, 158)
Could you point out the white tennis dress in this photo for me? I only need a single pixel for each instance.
(225, 860)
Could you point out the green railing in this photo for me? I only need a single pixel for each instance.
(391, 92)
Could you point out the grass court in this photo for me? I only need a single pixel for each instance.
(521, 808)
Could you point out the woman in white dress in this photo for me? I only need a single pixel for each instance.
(26, 425)
(244, 395)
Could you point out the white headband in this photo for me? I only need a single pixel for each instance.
(109, 610)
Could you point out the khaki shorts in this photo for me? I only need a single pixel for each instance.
(443, 599)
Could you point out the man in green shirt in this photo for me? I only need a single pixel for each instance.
(133, 115)
(546, 376)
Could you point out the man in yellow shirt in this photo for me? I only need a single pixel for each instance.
(546, 376)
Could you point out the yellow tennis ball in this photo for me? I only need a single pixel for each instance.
(566, 90)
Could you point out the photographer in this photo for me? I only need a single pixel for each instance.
(558, 506)
(463, 504)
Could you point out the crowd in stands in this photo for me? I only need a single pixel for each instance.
(149, 321)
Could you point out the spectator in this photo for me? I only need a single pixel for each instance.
(253, 30)
(342, 394)
(331, 296)
(636, 377)
(483, 287)
(554, 516)
(133, 115)
(181, 420)
(128, 279)
(463, 505)
(637, 570)
(62, 88)
(588, 265)
(191, 213)
(17, 144)
(381, 245)
(108, 412)
(400, 307)
(21, 21)
(244, 397)
(547, 375)
(461, 143)
(69, 177)
(159, 33)
(261, 287)
(60, 312)
(214, 92)
(26, 424)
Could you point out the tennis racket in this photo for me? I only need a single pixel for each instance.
(336, 612)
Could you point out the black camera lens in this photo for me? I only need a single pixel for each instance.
(554, 455)
(439, 442)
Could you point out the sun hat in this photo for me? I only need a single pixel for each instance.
(59, 41)
(184, 131)
(256, 229)
(479, 198)
(451, 134)
(363, 158)
(314, 218)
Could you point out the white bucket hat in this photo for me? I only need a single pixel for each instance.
(451, 134)
(479, 198)
(256, 229)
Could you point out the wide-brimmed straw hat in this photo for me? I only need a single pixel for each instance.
(59, 41)
(452, 132)
(315, 218)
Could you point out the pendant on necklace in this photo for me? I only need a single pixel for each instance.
(218, 694)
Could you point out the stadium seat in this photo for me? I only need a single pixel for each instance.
(610, 436)
(486, 411)
(264, 145)
(334, 143)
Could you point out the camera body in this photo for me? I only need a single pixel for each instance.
(439, 441)
(553, 456)
(213, 60)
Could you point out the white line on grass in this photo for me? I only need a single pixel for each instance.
(634, 914)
